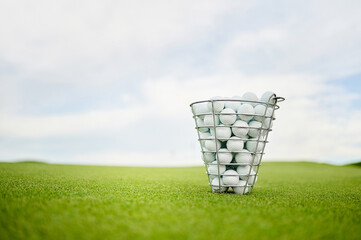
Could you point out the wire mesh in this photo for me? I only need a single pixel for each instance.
(245, 171)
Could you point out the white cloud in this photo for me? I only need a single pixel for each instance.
(70, 124)
(46, 36)
(316, 38)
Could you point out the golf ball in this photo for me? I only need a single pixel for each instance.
(252, 145)
(240, 128)
(218, 105)
(241, 187)
(211, 177)
(230, 177)
(267, 123)
(243, 170)
(250, 96)
(246, 112)
(261, 111)
(222, 132)
(203, 136)
(228, 119)
(200, 125)
(243, 157)
(233, 104)
(257, 158)
(217, 185)
(253, 131)
(213, 169)
(208, 120)
(235, 144)
(268, 97)
(208, 157)
(212, 145)
(251, 179)
(200, 108)
(224, 156)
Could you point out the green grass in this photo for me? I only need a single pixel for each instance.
(290, 201)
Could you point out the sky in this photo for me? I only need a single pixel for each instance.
(110, 82)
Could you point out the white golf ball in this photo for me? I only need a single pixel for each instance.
(252, 179)
(261, 111)
(255, 132)
(250, 96)
(222, 132)
(203, 136)
(208, 157)
(208, 120)
(233, 104)
(229, 177)
(240, 128)
(218, 105)
(243, 170)
(200, 108)
(213, 169)
(200, 125)
(252, 145)
(241, 187)
(224, 156)
(267, 123)
(268, 97)
(215, 185)
(211, 177)
(243, 157)
(235, 144)
(212, 145)
(246, 112)
(257, 158)
(228, 119)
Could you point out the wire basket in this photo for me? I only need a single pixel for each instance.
(233, 142)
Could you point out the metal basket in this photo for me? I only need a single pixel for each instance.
(246, 172)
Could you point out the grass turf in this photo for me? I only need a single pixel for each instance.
(290, 201)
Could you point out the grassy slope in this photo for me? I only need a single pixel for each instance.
(290, 201)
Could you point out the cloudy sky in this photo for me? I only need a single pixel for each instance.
(110, 82)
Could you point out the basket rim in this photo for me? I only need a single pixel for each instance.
(278, 99)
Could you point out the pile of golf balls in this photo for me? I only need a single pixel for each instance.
(232, 134)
